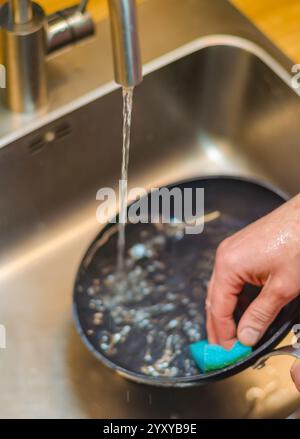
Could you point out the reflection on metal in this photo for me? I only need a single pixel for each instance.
(26, 30)
(23, 28)
(67, 27)
(22, 34)
(2, 337)
(284, 350)
(21, 11)
(2, 76)
(125, 41)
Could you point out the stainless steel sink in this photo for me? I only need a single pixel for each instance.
(216, 99)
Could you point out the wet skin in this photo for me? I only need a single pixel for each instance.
(266, 254)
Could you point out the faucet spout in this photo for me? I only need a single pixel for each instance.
(125, 42)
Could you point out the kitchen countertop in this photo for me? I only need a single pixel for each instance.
(278, 19)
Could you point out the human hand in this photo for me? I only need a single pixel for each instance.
(266, 254)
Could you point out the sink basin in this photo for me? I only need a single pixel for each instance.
(219, 104)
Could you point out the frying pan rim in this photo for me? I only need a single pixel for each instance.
(200, 378)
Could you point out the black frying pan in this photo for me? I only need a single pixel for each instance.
(240, 202)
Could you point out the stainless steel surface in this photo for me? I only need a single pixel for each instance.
(216, 105)
(125, 42)
(22, 35)
(68, 27)
(284, 350)
(26, 37)
(65, 70)
(21, 11)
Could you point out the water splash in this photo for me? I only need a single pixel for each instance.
(146, 328)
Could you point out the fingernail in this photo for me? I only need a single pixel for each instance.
(249, 336)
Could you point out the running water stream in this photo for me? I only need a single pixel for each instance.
(127, 111)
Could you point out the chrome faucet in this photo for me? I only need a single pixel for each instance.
(21, 11)
(125, 42)
(28, 36)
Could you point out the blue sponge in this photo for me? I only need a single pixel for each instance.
(212, 357)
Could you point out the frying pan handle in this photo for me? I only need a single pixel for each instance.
(293, 351)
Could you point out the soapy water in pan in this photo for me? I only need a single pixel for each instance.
(145, 321)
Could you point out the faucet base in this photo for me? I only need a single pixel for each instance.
(24, 60)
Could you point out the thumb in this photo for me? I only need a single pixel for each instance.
(295, 374)
(261, 313)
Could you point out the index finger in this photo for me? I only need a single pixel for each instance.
(220, 305)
